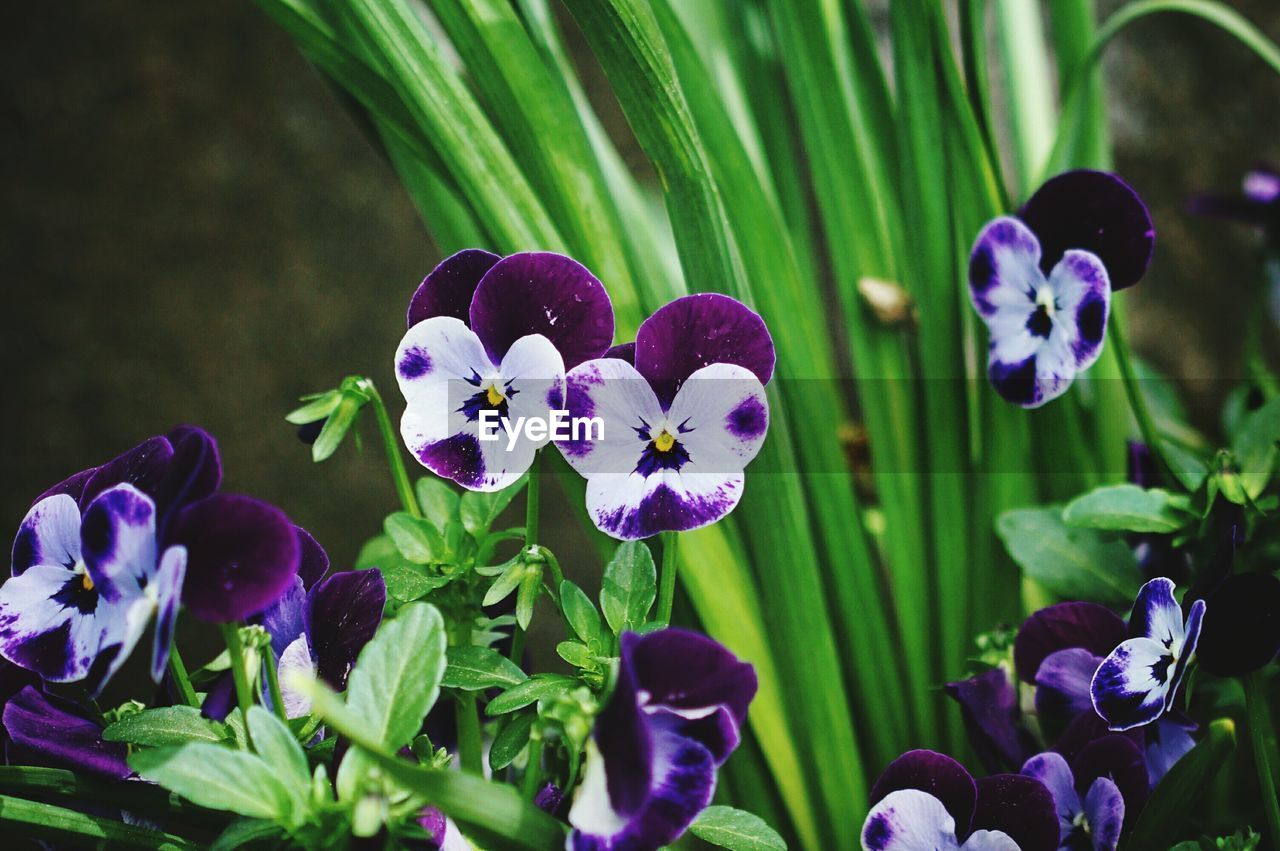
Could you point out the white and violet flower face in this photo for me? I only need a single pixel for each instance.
(1094, 821)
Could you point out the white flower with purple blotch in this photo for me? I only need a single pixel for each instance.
(683, 413)
(1092, 821)
(1138, 682)
(84, 589)
(1042, 282)
(494, 334)
(674, 717)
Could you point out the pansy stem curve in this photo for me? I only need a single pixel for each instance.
(470, 746)
(399, 473)
(1146, 426)
(239, 674)
(181, 680)
(1255, 700)
(533, 770)
(667, 581)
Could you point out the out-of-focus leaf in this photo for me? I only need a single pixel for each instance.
(1075, 564)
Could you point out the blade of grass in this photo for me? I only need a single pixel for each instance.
(1028, 89)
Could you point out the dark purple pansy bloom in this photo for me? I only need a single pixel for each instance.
(680, 424)
(675, 715)
(1092, 820)
(927, 800)
(1139, 680)
(45, 730)
(1258, 203)
(989, 703)
(490, 339)
(89, 587)
(1241, 625)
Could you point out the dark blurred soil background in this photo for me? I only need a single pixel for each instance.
(193, 230)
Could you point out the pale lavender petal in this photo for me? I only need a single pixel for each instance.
(286, 618)
(296, 658)
(49, 535)
(910, 820)
(1104, 812)
(1052, 770)
(720, 417)
(1063, 681)
(1081, 306)
(613, 391)
(1168, 740)
(1191, 637)
(167, 586)
(119, 542)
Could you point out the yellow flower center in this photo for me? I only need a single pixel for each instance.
(664, 441)
(87, 581)
(495, 398)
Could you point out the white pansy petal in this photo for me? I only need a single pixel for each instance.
(439, 350)
(720, 416)
(633, 506)
(119, 541)
(295, 658)
(532, 376)
(1130, 687)
(614, 393)
(1082, 304)
(49, 534)
(909, 820)
(43, 617)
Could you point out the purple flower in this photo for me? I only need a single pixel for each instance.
(88, 587)
(1139, 680)
(925, 801)
(1092, 820)
(489, 340)
(1258, 204)
(46, 730)
(1241, 625)
(989, 705)
(679, 425)
(674, 717)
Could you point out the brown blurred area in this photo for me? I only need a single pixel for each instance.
(195, 231)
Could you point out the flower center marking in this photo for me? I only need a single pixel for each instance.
(494, 396)
(87, 581)
(664, 441)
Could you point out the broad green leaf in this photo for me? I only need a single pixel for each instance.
(511, 739)
(479, 510)
(629, 588)
(476, 668)
(275, 743)
(165, 727)
(531, 690)
(245, 833)
(1164, 817)
(416, 539)
(407, 582)
(1077, 564)
(438, 501)
(575, 653)
(1128, 508)
(736, 830)
(219, 778)
(579, 612)
(1255, 447)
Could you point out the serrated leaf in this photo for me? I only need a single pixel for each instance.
(475, 668)
(510, 740)
(168, 726)
(274, 742)
(479, 510)
(736, 830)
(575, 653)
(416, 539)
(629, 587)
(1078, 564)
(1127, 508)
(219, 778)
(438, 501)
(1165, 814)
(579, 612)
(1255, 446)
(531, 690)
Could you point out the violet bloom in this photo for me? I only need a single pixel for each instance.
(926, 801)
(1138, 682)
(674, 717)
(989, 704)
(46, 730)
(489, 340)
(1043, 283)
(680, 424)
(1091, 820)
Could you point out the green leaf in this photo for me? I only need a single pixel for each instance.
(336, 427)
(165, 727)
(439, 501)
(1255, 447)
(479, 510)
(736, 830)
(575, 653)
(476, 668)
(316, 409)
(510, 740)
(416, 539)
(509, 581)
(1077, 564)
(533, 689)
(579, 612)
(629, 588)
(1187, 465)
(407, 582)
(219, 778)
(530, 585)
(1164, 818)
(1127, 508)
(246, 833)
(275, 743)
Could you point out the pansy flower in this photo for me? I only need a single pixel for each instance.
(926, 801)
(674, 717)
(1092, 820)
(89, 587)
(1138, 682)
(993, 719)
(682, 413)
(46, 730)
(489, 341)
(1042, 283)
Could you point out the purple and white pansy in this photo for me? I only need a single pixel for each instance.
(674, 717)
(489, 341)
(1089, 821)
(1138, 682)
(682, 412)
(1042, 282)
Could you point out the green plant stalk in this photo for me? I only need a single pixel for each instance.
(391, 441)
(46, 821)
(239, 674)
(470, 746)
(1137, 402)
(1073, 24)
(1028, 86)
(667, 579)
(533, 770)
(273, 685)
(1259, 726)
(37, 782)
(178, 671)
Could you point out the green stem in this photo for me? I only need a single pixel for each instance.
(533, 771)
(239, 673)
(470, 748)
(531, 505)
(45, 821)
(57, 783)
(517, 645)
(1137, 402)
(1259, 725)
(273, 685)
(399, 473)
(667, 581)
(178, 671)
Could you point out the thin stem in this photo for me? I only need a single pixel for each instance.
(1259, 725)
(178, 671)
(273, 685)
(533, 771)
(667, 579)
(470, 748)
(517, 645)
(231, 635)
(531, 505)
(1136, 400)
(399, 473)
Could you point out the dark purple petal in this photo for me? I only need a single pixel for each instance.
(72, 486)
(626, 744)
(1097, 212)
(450, 286)
(1062, 683)
(1020, 807)
(145, 466)
(220, 699)
(934, 773)
(989, 704)
(313, 561)
(1241, 630)
(242, 556)
(434, 823)
(1118, 758)
(48, 731)
(696, 331)
(194, 472)
(1104, 811)
(549, 798)
(543, 293)
(1088, 625)
(1084, 729)
(343, 614)
(623, 351)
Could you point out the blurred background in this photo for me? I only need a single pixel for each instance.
(193, 230)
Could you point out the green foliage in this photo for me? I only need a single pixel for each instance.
(166, 726)
(474, 668)
(1075, 564)
(736, 830)
(1129, 508)
(220, 778)
(1164, 817)
(538, 687)
(510, 740)
(629, 587)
